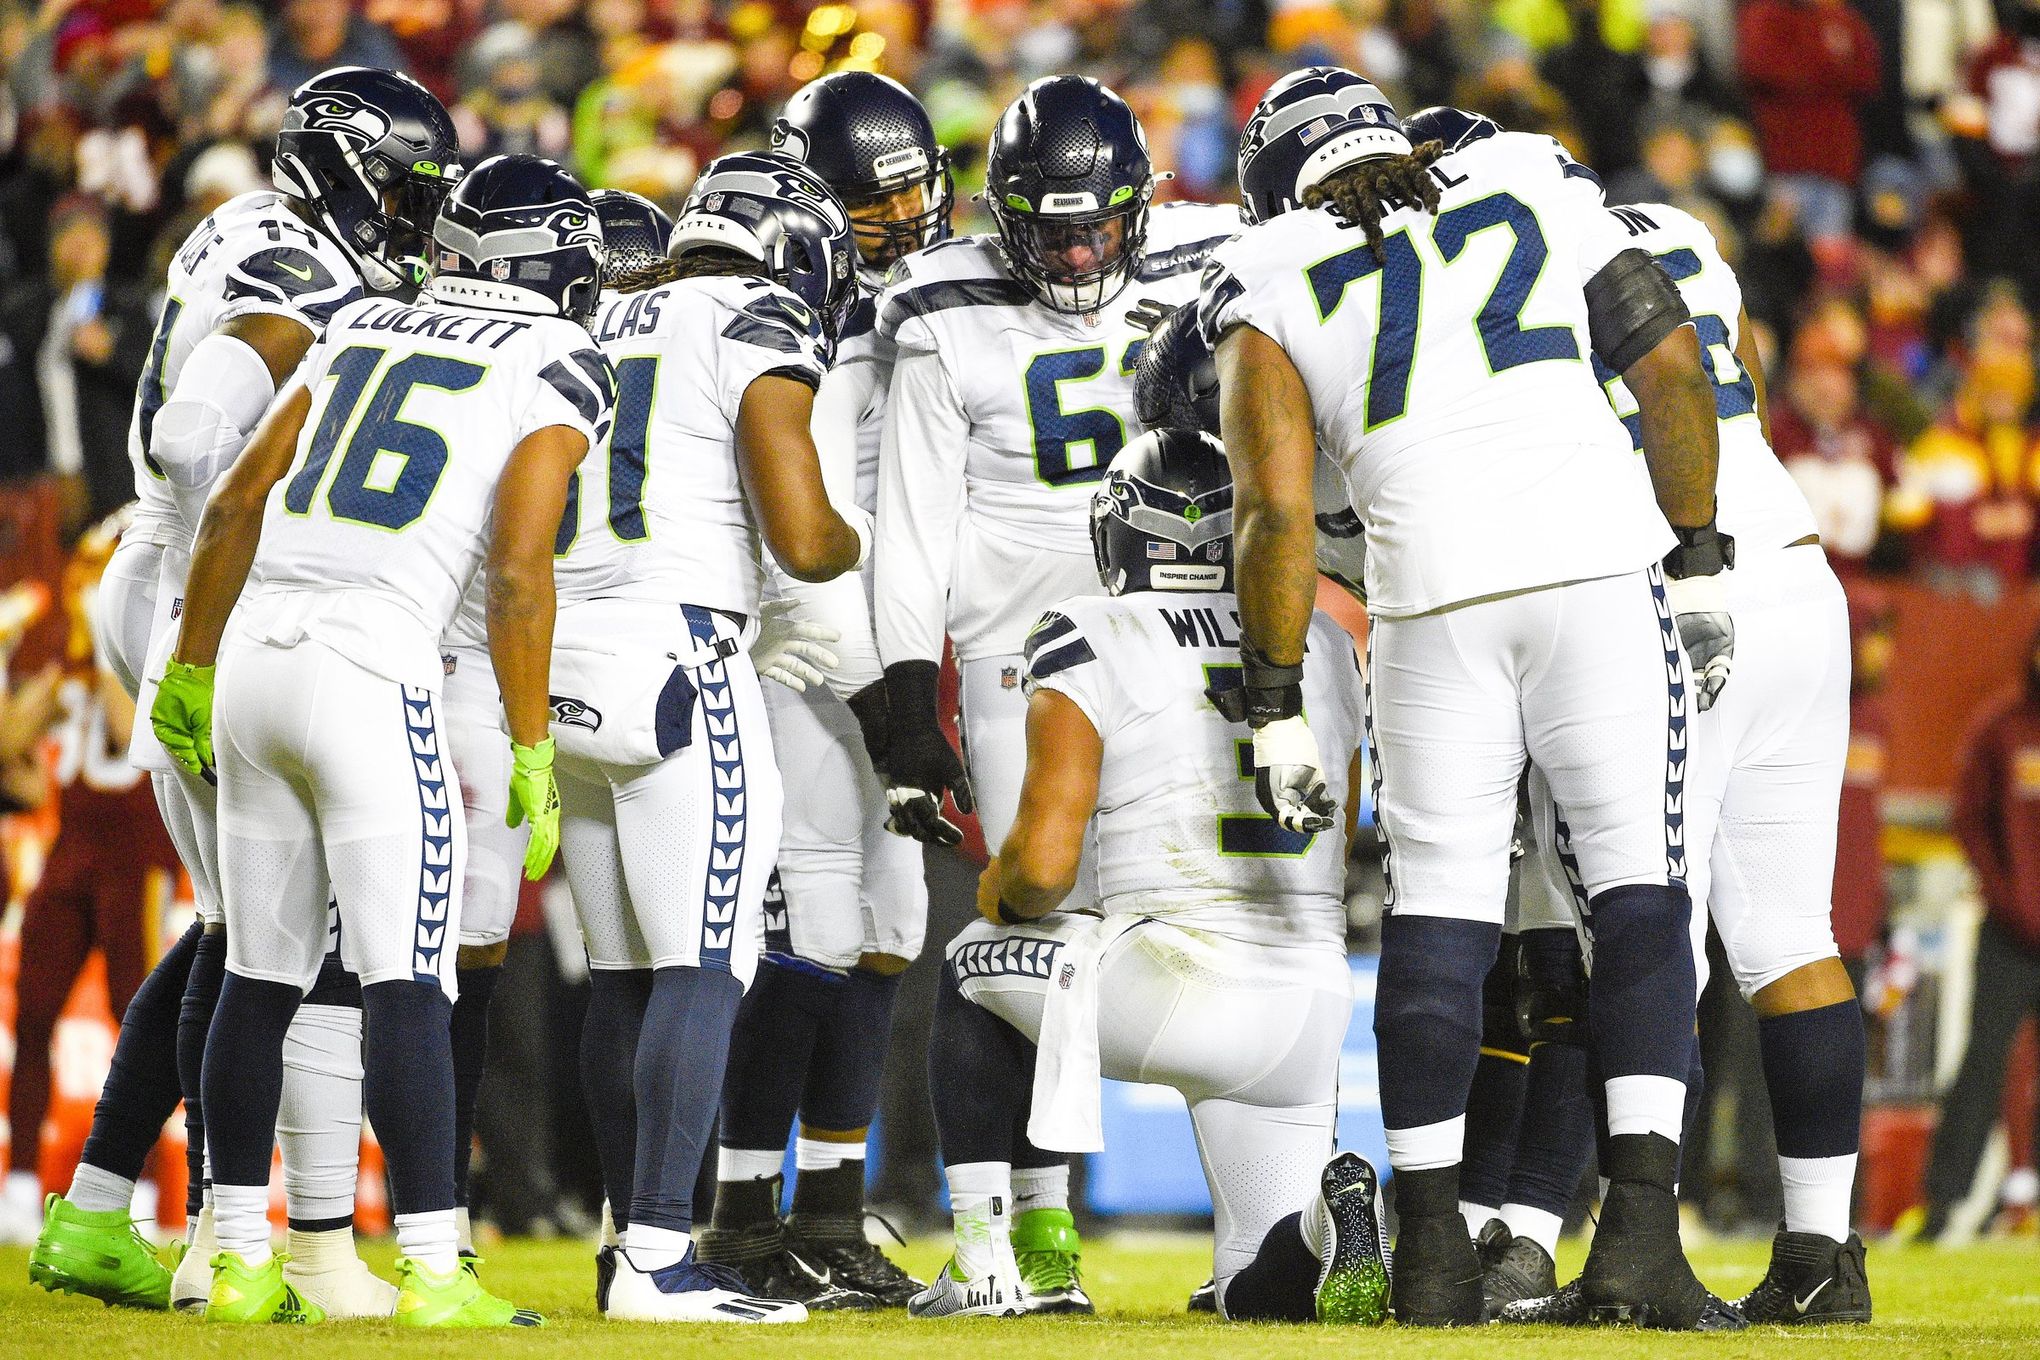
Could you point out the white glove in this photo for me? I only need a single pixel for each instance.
(790, 651)
(1699, 606)
(1289, 776)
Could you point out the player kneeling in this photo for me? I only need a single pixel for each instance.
(1218, 964)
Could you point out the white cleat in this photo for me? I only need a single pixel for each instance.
(996, 1293)
(191, 1285)
(347, 1290)
(690, 1291)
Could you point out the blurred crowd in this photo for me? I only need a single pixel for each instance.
(1871, 168)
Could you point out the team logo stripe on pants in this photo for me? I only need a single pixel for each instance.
(726, 825)
(435, 812)
(1675, 732)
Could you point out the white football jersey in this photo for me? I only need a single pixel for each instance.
(661, 516)
(996, 439)
(1755, 499)
(1450, 377)
(370, 540)
(1180, 833)
(252, 255)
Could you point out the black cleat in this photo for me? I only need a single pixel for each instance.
(1565, 1307)
(1516, 1268)
(837, 1244)
(1813, 1280)
(771, 1269)
(605, 1276)
(1204, 1298)
(1637, 1273)
(1437, 1273)
(1568, 1307)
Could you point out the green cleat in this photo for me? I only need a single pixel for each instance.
(258, 1294)
(455, 1299)
(100, 1255)
(1049, 1252)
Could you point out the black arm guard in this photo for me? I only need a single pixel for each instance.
(1701, 552)
(869, 707)
(1632, 304)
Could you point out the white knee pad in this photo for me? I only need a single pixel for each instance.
(319, 1120)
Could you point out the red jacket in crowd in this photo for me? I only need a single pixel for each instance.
(1808, 65)
(1997, 812)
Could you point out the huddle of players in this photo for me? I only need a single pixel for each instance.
(978, 396)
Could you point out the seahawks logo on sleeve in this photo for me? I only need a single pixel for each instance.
(288, 276)
(776, 321)
(1054, 646)
(587, 381)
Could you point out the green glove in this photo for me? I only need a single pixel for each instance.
(535, 794)
(182, 715)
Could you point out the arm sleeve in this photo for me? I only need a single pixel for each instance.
(844, 604)
(920, 507)
(1060, 657)
(222, 391)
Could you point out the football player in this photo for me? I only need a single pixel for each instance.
(1763, 789)
(416, 439)
(1395, 304)
(634, 232)
(850, 904)
(1218, 965)
(671, 795)
(362, 162)
(1011, 391)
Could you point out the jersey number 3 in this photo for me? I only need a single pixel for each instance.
(1251, 833)
(391, 466)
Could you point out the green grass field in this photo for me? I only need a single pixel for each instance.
(1976, 1302)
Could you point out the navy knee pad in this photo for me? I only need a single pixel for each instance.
(1642, 994)
(1427, 1014)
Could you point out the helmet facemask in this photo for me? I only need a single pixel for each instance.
(884, 235)
(1076, 262)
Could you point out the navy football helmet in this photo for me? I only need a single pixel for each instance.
(868, 138)
(1175, 381)
(1310, 123)
(635, 231)
(1068, 159)
(519, 234)
(372, 154)
(1162, 518)
(1456, 128)
(774, 210)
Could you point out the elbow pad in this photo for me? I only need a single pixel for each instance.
(222, 391)
(1632, 304)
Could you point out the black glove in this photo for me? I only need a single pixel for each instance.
(1147, 314)
(1696, 593)
(920, 763)
(869, 707)
(1266, 693)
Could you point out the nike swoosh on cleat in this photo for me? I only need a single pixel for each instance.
(294, 271)
(1801, 1305)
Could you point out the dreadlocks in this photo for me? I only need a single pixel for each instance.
(705, 263)
(1366, 191)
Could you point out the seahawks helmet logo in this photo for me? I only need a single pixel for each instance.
(346, 117)
(569, 712)
(789, 140)
(572, 227)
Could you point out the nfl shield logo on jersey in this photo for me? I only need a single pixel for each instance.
(499, 270)
(1009, 677)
